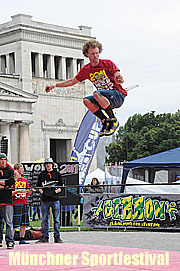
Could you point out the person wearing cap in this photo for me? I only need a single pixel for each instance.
(48, 180)
(7, 179)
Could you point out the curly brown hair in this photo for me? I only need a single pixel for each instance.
(92, 43)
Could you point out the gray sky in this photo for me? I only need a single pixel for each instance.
(142, 37)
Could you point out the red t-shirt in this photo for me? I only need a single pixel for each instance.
(20, 197)
(102, 75)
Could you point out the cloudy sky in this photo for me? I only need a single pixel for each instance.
(142, 37)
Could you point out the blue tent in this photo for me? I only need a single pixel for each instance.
(167, 159)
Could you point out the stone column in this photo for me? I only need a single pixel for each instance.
(40, 65)
(7, 63)
(63, 68)
(14, 137)
(24, 146)
(52, 67)
(74, 66)
(0, 65)
(5, 130)
(47, 149)
(68, 148)
(59, 67)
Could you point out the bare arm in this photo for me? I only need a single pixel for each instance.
(67, 83)
(29, 191)
(118, 78)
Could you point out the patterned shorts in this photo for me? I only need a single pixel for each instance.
(21, 215)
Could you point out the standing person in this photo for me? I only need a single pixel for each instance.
(7, 179)
(1, 229)
(107, 79)
(48, 180)
(20, 203)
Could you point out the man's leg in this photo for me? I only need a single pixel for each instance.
(22, 231)
(24, 223)
(45, 219)
(22, 235)
(96, 110)
(1, 227)
(111, 123)
(39, 212)
(56, 217)
(45, 222)
(8, 216)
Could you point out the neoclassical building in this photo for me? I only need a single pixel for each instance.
(32, 55)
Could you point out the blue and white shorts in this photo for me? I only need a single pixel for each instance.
(115, 97)
(21, 215)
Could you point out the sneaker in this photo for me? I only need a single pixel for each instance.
(43, 239)
(23, 242)
(113, 125)
(104, 127)
(58, 240)
(10, 245)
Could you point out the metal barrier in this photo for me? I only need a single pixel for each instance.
(68, 217)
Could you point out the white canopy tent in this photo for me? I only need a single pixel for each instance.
(97, 173)
(143, 188)
(104, 178)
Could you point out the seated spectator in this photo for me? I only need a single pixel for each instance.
(94, 188)
(20, 203)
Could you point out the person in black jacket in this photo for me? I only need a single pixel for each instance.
(48, 180)
(7, 179)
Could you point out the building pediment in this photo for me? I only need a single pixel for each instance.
(10, 93)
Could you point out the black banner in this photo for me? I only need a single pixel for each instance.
(132, 211)
(70, 175)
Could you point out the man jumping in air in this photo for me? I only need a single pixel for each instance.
(107, 79)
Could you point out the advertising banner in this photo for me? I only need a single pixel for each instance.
(132, 211)
(86, 143)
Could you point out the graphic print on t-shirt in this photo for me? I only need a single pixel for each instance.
(100, 80)
(51, 183)
(20, 184)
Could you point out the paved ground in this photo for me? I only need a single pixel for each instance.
(97, 250)
(169, 241)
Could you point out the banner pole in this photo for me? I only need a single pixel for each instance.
(79, 221)
(132, 87)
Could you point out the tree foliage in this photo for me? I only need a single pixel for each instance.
(144, 135)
